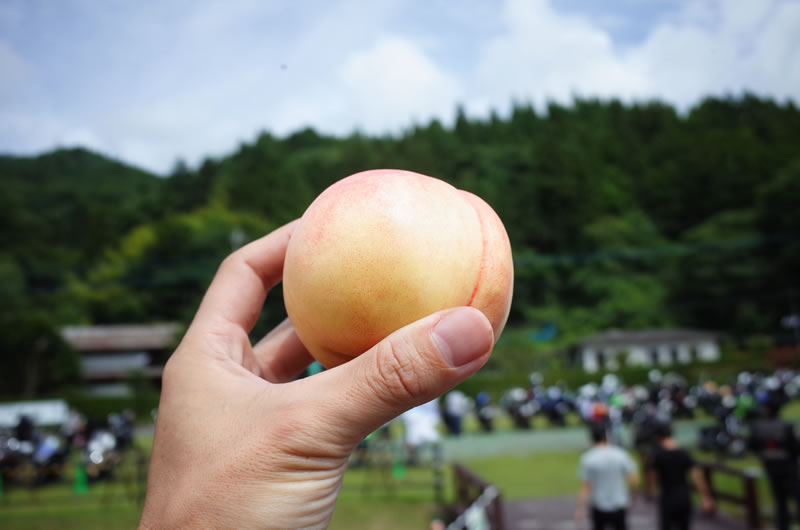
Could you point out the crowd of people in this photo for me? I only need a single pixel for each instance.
(664, 398)
(30, 455)
(622, 420)
(746, 419)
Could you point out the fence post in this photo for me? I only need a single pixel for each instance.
(499, 522)
(470, 489)
(461, 486)
(438, 475)
(751, 501)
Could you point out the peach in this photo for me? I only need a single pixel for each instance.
(381, 249)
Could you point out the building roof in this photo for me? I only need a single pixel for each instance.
(647, 337)
(135, 337)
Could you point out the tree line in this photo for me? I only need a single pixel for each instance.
(620, 216)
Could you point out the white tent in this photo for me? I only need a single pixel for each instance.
(43, 413)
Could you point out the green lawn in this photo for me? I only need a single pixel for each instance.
(108, 504)
(369, 499)
(791, 411)
(65, 516)
(374, 500)
(409, 506)
(535, 475)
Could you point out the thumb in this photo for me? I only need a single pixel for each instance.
(413, 365)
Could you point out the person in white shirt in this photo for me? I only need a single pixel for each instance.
(421, 429)
(456, 405)
(421, 424)
(606, 473)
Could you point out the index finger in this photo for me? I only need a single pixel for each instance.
(238, 290)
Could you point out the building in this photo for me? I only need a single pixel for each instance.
(111, 354)
(614, 349)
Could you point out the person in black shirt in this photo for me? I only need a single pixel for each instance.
(670, 467)
(775, 444)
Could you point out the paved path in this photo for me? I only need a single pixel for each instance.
(481, 445)
(557, 514)
(517, 442)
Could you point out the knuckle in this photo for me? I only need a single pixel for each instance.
(399, 372)
(231, 262)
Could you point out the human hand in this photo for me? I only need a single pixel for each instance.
(708, 504)
(239, 444)
(632, 498)
(579, 520)
(580, 515)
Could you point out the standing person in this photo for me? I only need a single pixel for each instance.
(606, 473)
(455, 407)
(671, 465)
(483, 411)
(775, 444)
(421, 424)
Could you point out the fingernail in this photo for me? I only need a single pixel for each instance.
(463, 335)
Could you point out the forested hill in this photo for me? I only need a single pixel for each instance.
(73, 201)
(620, 215)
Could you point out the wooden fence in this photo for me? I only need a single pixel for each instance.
(748, 498)
(473, 491)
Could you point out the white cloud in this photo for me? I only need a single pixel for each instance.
(393, 82)
(388, 85)
(753, 47)
(193, 79)
(774, 65)
(707, 48)
(206, 94)
(544, 54)
(15, 73)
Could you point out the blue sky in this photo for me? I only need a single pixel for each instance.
(187, 79)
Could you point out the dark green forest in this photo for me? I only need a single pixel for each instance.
(620, 216)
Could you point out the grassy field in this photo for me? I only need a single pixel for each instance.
(537, 475)
(791, 411)
(369, 500)
(372, 500)
(109, 505)
(409, 506)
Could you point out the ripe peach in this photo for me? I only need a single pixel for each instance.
(381, 249)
